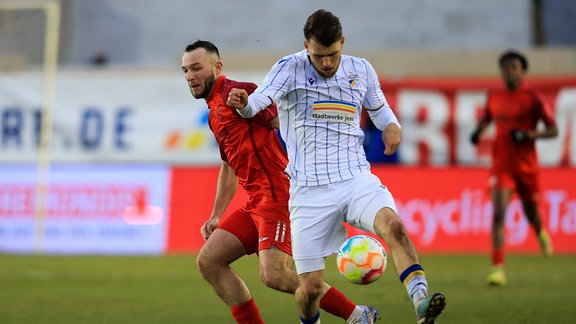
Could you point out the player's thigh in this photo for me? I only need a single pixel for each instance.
(528, 187)
(222, 247)
(501, 186)
(272, 221)
(369, 199)
(500, 199)
(316, 221)
(501, 180)
(312, 282)
(240, 224)
(274, 259)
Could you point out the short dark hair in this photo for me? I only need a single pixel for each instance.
(208, 46)
(323, 27)
(512, 54)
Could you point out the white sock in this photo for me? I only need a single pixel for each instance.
(417, 288)
(356, 313)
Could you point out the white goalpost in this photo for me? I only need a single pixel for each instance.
(51, 10)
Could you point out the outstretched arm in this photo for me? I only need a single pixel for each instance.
(248, 106)
(237, 98)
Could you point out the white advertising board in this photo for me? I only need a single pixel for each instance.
(100, 209)
(110, 117)
(151, 117)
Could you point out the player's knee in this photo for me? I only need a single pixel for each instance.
(391, 228)
(499, 216)
(312, 289)
(202, 263)
(270, 279)
(207, 264)
(397, 229)
(275, 277)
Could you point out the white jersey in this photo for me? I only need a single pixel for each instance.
(320, 117)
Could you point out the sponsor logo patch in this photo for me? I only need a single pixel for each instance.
(334, 111)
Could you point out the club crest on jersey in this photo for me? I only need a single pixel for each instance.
(334, 111)
(352, 78)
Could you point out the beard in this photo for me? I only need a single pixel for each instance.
(208, 86)
(326, 74)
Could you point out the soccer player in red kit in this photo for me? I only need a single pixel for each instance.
(516, 112)
(253, 157)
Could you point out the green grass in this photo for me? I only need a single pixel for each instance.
(168, 289)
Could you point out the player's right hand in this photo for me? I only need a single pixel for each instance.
(209, 227)
(237, 98)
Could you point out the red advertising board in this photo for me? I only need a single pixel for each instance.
(192, 196)
(445, 210)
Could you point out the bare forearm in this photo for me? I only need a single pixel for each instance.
(548, 132)
(225, 189)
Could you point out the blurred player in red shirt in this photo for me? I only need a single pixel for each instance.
(516, 112)
(252, 156)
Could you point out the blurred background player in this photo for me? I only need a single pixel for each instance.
(253, 157)
(321, 94)
(516, 111)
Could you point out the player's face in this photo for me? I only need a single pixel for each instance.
(325, 59)
(201, 70)
(512, 73)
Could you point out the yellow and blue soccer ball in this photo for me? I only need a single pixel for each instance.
(361, 259)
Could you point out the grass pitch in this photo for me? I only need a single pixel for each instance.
(168, 289)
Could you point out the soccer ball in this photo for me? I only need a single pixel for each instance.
(361, 259)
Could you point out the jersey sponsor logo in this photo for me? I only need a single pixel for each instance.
(334, 111)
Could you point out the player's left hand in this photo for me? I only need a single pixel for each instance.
(391, 137)
(275, 123)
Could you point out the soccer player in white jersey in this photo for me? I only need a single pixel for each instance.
(321, 93)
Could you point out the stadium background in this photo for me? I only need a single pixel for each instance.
(133, 162)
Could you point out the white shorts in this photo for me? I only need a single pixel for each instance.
(317, 213)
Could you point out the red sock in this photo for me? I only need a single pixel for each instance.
(335, 303)
(498, 257)
(247, 313)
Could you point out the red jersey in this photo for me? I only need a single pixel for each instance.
(252, 148)
(520, 109)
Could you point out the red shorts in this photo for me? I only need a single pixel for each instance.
(526, 184)
(260, 227)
